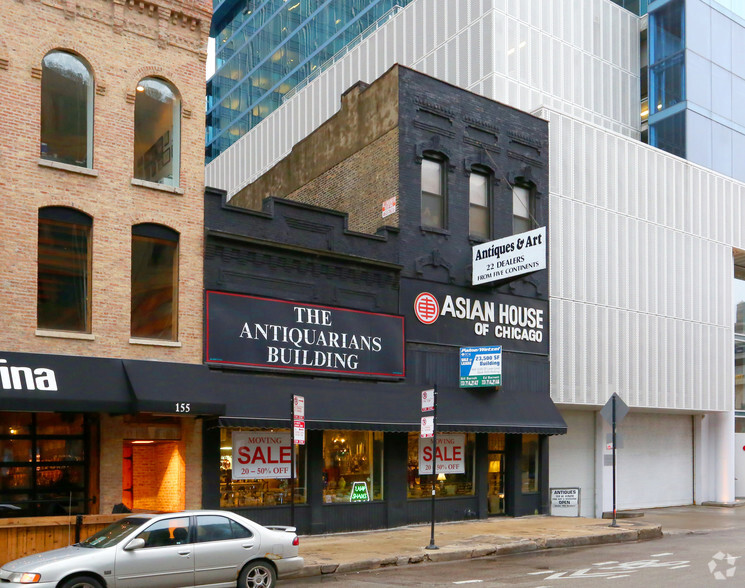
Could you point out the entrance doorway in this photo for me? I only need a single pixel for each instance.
(153, 476)
(496, 455)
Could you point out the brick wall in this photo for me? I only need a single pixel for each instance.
(188, 492)
(122, 42)
(359, 185)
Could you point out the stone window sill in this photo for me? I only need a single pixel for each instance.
(155, 342)
(157, 186)
(65, 335)
(76, 169)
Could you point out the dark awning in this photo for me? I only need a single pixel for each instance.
(262, 401)
(62, 383)
(174, 388)
(71, 383)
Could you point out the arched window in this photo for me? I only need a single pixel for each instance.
(63, 285)
(157, 132)
(154, 282)
(479, 210)
(523, 209)
(434, 191)
(66, 109)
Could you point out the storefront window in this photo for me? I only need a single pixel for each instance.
(352, 466)
(530, 463)
(420, 486)
(239, 492)
(42, 464)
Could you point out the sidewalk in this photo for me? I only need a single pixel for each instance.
(351, 552)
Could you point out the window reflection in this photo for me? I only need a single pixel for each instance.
(433, 193)
(349, 458)
(154, 282)
(420, 486)
(63, 288)
(529, 464)
(66, 109)
(479, 205)
(157, 132)
(257, 492)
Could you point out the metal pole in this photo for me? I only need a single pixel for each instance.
(292, 460)
(434, 473)
(613, 440)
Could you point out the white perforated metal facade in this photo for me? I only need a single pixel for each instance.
(641, 272)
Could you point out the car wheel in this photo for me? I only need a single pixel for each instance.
(259, 574)
(81, 582)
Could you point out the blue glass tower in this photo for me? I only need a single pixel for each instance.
(264, 48)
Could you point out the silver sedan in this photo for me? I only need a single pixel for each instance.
(218, 549)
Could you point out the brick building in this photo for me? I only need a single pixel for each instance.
(101, 145)
(344, 275)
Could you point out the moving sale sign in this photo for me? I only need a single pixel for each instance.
(261, 455)
(451, 452)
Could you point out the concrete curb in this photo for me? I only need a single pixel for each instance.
(482, 550)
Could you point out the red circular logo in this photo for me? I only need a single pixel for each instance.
(426, 308)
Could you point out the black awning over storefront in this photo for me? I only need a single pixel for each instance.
(62, 383)
(264, 401)
(71, 383)
(173, 388)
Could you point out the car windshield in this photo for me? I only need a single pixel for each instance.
(114, 533)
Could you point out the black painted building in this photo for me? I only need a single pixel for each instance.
(347, 275)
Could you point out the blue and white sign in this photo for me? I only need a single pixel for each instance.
(480, 366)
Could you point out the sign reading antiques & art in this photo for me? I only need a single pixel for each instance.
(274, 334)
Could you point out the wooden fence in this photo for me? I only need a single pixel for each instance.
(26, 536)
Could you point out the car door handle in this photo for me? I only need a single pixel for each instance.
(247, 545)
(186, 553)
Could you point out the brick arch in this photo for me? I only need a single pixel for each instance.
(83, 50)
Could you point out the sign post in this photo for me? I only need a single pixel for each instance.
(297, 418)
(429, 402)
(614, 412)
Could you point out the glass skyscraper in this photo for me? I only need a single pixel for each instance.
(264, 48)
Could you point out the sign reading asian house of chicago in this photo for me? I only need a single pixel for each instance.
(271, 334)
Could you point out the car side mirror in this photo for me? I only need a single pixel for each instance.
(137, 543)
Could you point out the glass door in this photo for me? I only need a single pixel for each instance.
(495, 476)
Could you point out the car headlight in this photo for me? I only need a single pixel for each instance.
(24, 578)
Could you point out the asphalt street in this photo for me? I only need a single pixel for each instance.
(700, 547)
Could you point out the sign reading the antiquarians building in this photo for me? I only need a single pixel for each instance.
(451, 454)
(261, 454)
(274, 334)
(509, 257)
(452, 315)
(480, 366)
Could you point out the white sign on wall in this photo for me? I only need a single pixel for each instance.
(258, 454)
(509, 257)
(389, 207)
(451, 454)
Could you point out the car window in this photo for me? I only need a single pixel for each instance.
(114, 533)
(239, 531)
(217, 528)
(167, 532)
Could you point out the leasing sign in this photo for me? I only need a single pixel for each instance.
(509, 257)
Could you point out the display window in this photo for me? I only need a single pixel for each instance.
(446, 484)
(352, 466)
(255, 468)
(529, 464)
(43, 464)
